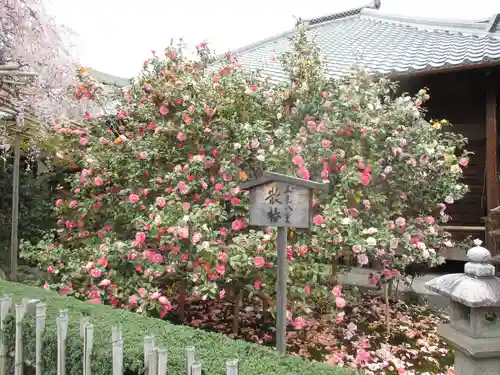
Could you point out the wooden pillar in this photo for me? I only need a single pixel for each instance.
(492, 194)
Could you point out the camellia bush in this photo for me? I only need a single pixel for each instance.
(155, 214)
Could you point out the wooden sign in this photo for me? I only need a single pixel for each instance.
(284, 202)
(281, 201)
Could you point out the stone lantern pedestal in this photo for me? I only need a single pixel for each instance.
(474, 328)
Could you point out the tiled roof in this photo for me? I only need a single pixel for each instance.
(108, 79)
(383, 44)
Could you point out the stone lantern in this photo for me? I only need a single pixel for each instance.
(474, 328)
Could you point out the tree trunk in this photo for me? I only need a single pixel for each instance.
(387, 316)
(181, 307)
(236, 310)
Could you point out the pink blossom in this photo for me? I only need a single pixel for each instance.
(304, 173)
(362, 259)
(257, 284)
(96, 272)
(59, 202)
(84, 140)
(463, 162)
(160, 202)
(318, 220)
(183, 187)
(337, 290)
(325, 143)
(181, 137)
(222, 294)
(362, 356)
(133, 198)
(143, 155)
(163, 300)
(98, 181)
(164, 110)
(73, 204)
(259, 262)
(220, 269)
(237, 225)
(133, 299)
(142, 292)
(339, 302)
(299, 323)
(155, 295)
(140, 237)
(104, 282)
(297, 160)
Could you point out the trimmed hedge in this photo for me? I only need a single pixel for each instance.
(213, 350)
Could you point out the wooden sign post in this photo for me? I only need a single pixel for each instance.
(284, 202)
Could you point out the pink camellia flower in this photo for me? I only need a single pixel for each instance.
(364, 178)
(96, 272)
(133, 198)
(160, 202)
(104, 282)
(259, 262)
(59, 202)
(337, 290)
(430, 220)
(133, 299)
(297, 160)
(143, 155)
(340, 317)
(140, 237)
(318, 220)
(463, 162)
(299, 323)
(50, 269)
(183, 233)
(220, 269)
(98, 181)
(163, 300)
(84, 140)
(164, 110)
(237, 225)
(222, 294)
(362, 259)
(325, 143)
(181, 137)
(182, 187)
(362, 356)
(142, 292)
(155, 295)
(339, 302)
(257, 284)
(73, 204)
(304, 173)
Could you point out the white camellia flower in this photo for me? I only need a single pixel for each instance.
(267, 237)
(370, 241)
(426, 254)
(237, 146)
(346, 221)
(261, 157)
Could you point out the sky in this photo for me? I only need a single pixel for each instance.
(116, 36)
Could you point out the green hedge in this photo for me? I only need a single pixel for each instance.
(213, 350)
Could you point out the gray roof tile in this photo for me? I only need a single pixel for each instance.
(383, 44)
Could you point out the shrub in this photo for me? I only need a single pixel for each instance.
(212, 349)
(156, 204)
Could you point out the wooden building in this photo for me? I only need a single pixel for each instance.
(459, 61)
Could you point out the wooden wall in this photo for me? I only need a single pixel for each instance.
(460, 97)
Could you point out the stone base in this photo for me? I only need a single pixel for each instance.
(465, 365)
